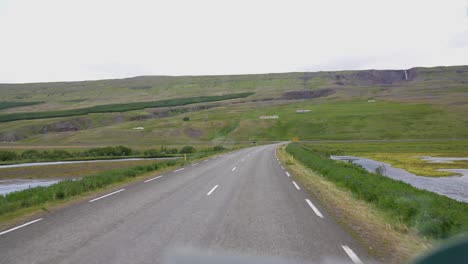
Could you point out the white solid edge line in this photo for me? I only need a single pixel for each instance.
(194, 164)
(212, 190)
(205, 160)
(351, 254)
(233, 169)
(282, 167)
(20, 226)
(104, 196)
(287, 174)
(152, 179)
(316, 211)
(179, 169)
(295, 185)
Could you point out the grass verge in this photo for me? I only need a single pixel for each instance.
(18, 206)
(432, 215)
(388, 243)
(70, 188)
(67, 171)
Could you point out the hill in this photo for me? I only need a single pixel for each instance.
(419, 103)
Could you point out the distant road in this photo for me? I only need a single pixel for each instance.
(244, 202)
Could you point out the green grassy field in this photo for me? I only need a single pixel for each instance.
(328, 120)
(430, 105)
(123, 107)
(67, 170)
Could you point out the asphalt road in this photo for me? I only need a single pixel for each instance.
(241, 203)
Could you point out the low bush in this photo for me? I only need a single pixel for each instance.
(109, 151)
(218, 148)
(152, 153)
(187, 150)
(6, 155)
(432, 215)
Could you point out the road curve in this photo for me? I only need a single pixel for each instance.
(243, 203)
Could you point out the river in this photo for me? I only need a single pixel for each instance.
(455, 187)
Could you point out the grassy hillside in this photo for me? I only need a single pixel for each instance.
(436, 83)
(351, 105)
(110, 108)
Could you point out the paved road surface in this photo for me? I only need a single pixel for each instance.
(242, 203)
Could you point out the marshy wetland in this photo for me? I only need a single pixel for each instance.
(454, 187)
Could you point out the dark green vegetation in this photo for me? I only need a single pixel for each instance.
(32, 155)
(69, 188)
(430, 214)
(5, 105)
(60, 154)
(109, 108)
(187, 150)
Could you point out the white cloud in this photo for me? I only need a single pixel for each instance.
(52, 40)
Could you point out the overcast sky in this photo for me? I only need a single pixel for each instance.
(65, 40)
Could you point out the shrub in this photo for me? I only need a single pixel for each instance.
(380, 169)
(56, 154)
(187, 150)
(218, 148)
(152, 153)
(6, 155)
(186, 118)
(109, 151)
(172, 151)
(31, 154)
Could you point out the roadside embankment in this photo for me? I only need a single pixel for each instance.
(395, 220)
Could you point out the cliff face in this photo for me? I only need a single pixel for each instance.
(375, 77)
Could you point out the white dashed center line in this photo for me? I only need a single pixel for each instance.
(104, 196)
(287, 174)
(195, 164)
(20, 226)
(316, 211)
(152, 179)
(212, 190)
(179, 169)
(351, 254)
(295, 185)
(233, 169)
